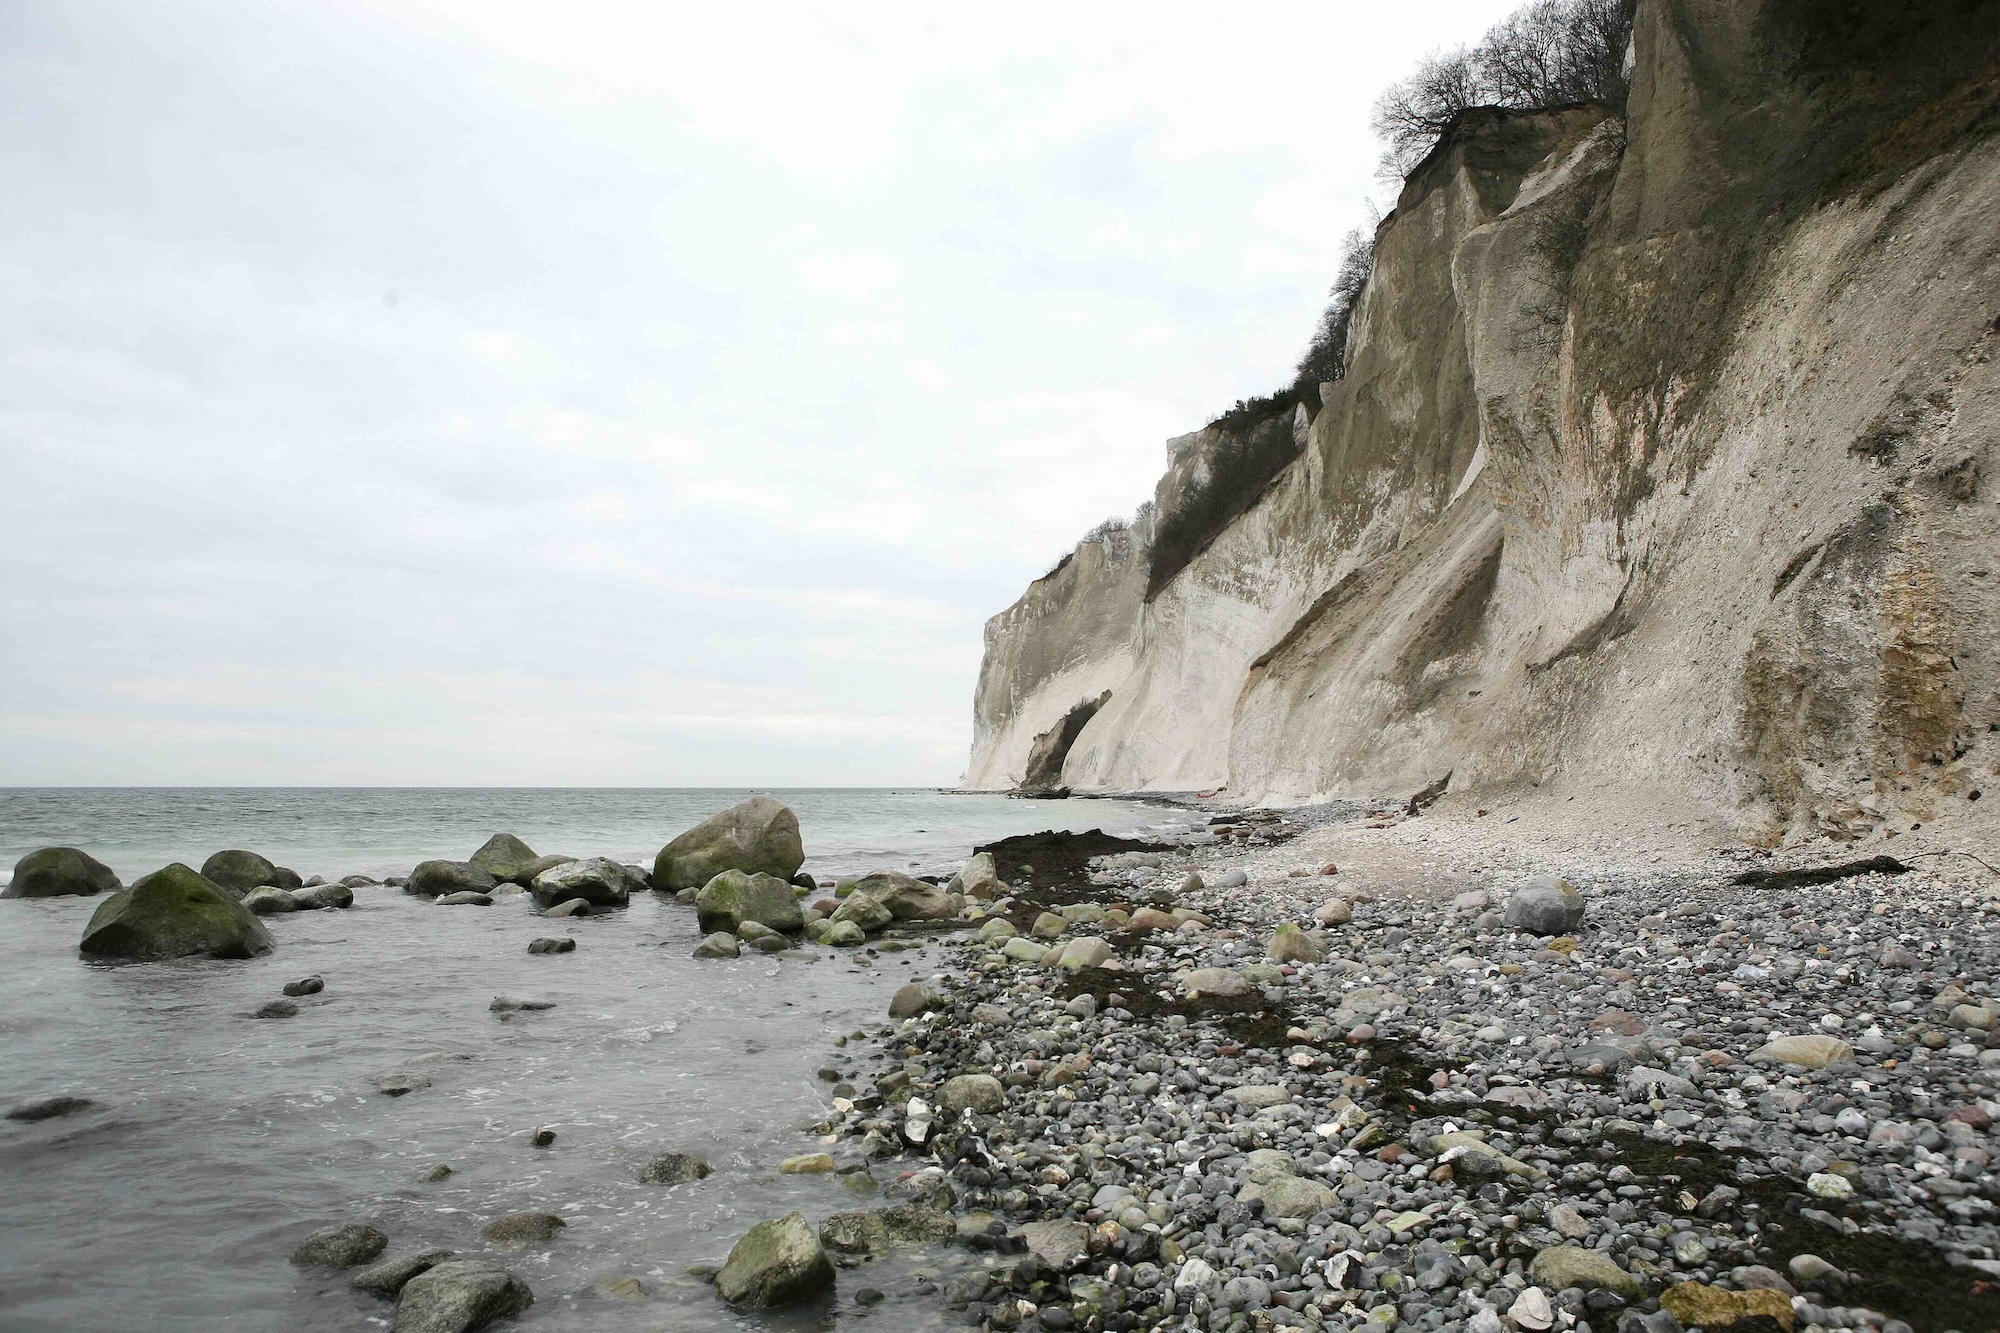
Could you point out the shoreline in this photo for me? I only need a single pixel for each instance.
(1297, 1155)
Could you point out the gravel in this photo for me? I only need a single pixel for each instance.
(1446, 1122)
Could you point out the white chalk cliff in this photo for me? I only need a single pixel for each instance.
(1663, 464)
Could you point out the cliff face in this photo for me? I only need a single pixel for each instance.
(1663, 465)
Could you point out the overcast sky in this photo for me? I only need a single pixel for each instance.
(496, 393)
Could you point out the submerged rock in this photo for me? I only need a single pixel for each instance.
(552, 944)
(173, 913)
(459, 1295)
(776, 1263)
(757, 836)
(50, 1108)
(56, 872)
(733, 897)
(341, 1246)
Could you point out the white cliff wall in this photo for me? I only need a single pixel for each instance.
(1664, 464)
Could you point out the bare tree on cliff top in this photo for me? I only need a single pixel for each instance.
(1549, 53)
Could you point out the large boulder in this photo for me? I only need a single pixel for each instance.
(598, 880)
(775, 1264)
(733, 897)
(907, 899)
(1546, 906)
(459, 1295)
(172, 913)
(757, 836)
(432, 879)
(239, 871)
(506, 858)
(56, 872)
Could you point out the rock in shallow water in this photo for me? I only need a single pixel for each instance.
(270, 902)
(433, 879)
(673, 1168)
(552, 944)
(720, 944)
(237, 872)
(505, 857)
(55, 872)
(341, 1246)
(757, 836)
(324, 896)
(173, 913)
(387, 1278)
(776, 1263)
(460, 1295)
(598, 880)
(50, 1108)
(732, 898)
(523, 1229)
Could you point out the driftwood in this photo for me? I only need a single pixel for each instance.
(1799, 879)
(1429, 796)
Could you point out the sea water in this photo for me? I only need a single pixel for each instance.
(218, 1140)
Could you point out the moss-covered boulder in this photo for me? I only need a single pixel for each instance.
(58, 872)
(432, 879)
(598, 880)
(173, 913)
(907, 899)
(757, 836)
(776, 1263)
(239, 871)
(506, 858)
(732, 898)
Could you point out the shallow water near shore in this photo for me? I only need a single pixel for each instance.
(219, 1140)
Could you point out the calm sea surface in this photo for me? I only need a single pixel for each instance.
(219, 1140)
